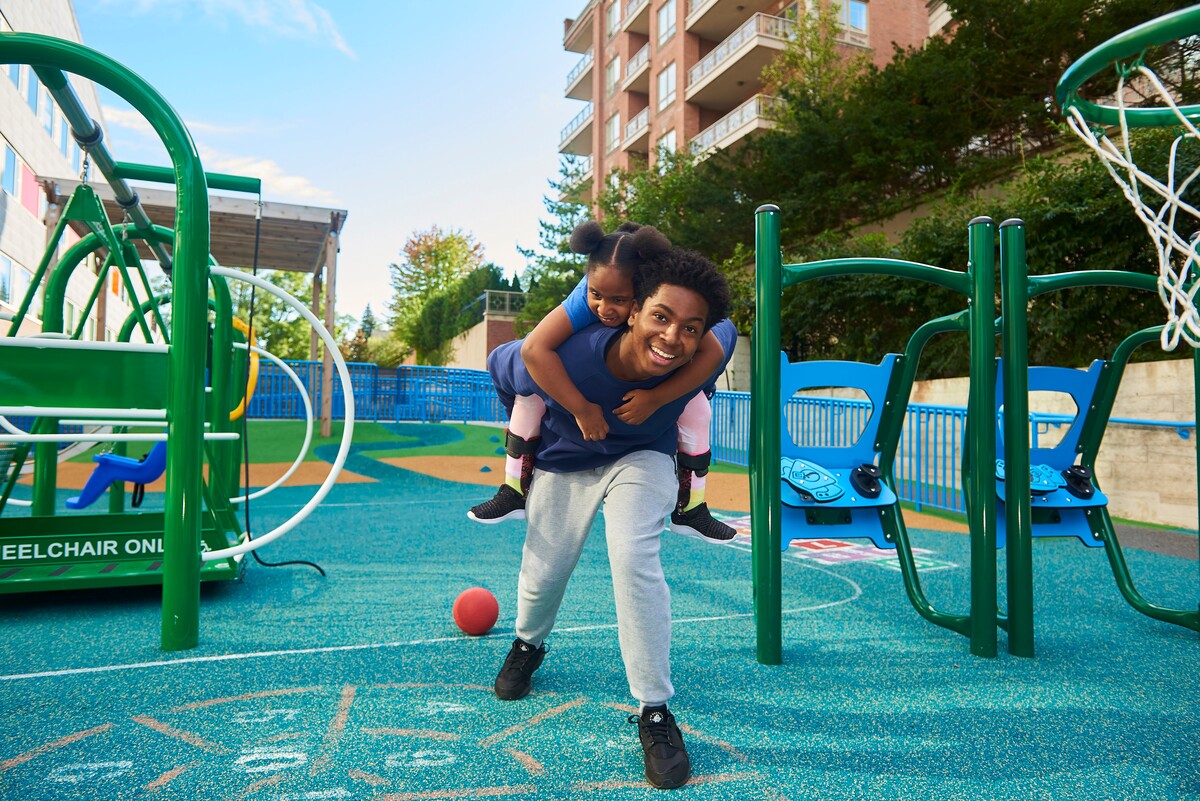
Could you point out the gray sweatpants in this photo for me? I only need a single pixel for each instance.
(638, 492)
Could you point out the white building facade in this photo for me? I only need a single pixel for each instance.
(37, 145)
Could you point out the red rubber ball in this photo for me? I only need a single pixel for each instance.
(476, 611)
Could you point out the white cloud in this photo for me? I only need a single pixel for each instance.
(132, 120)
(292, 19)
(278, 184)
(128, 119)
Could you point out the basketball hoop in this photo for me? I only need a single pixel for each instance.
(1158, 202)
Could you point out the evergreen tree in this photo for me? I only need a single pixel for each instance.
(368, 322)
(552, 270)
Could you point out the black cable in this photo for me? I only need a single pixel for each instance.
(246, 409)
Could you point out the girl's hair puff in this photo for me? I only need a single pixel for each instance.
(627, 248)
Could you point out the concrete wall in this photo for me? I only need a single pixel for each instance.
(470, 349)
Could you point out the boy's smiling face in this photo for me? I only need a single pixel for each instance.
(664, 333)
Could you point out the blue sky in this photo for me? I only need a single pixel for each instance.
(407, 113)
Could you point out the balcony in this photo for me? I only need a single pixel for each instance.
(577, 38)
(716, 19)
(637, 133)
(637, 72)
(579, 79)
(578, 187)
(724, 77)
(637, 17)
(745, 120)
(939, 18)
(577, 136)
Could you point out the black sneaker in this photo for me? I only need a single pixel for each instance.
(507, 504)
(667, 763)
(699, 522)
(516, 675)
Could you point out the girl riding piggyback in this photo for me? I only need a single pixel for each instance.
(605, 295)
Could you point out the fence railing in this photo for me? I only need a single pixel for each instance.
(928, 456)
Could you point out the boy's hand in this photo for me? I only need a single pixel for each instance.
(638, 406)
(591, 423)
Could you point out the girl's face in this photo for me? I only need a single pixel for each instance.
(610, 295)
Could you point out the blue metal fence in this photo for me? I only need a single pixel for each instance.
(928, 456)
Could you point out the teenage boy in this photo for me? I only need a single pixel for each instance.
(631, 472)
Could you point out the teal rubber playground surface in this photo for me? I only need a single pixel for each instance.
(358, 685)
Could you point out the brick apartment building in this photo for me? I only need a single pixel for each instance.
(672, 74)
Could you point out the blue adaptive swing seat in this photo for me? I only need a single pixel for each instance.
(110, 467)
(1061, 492)
(835, 491)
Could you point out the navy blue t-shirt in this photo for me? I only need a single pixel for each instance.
(562, 448)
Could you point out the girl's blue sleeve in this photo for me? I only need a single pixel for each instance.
(576, 307)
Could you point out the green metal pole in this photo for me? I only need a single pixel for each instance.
(163, 175)
(765, 508)
(1014, 301)
(185, 393)
(980, 456)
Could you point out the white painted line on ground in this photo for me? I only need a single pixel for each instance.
(855, 594)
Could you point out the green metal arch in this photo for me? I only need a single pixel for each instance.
(185, 413)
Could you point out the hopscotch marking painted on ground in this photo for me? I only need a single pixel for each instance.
(493, 752)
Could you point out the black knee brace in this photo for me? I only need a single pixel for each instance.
(698, 464)
(517, 447)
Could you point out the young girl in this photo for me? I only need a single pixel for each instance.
(606, 295)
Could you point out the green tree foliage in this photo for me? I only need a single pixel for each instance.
(357, 349)
(857, 144)
(278, 327)
(552, 270)
(368, 322)
(1076, 218)
(386, 350)
(451, 312)
(433, 261)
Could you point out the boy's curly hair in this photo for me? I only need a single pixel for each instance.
(690, 270)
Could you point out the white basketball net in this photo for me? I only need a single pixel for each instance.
(1157, 204)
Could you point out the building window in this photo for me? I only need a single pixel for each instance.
(14, 74)
(613, 15)
(612, 132)
(612, 75)
(10, 171)
(32, 90)
(46, 111)
(76, 157)
(5, 278)
(22, 278)
(666, 142)
(666, 86)
(64, 135)
(666, 21)
(854, 15)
